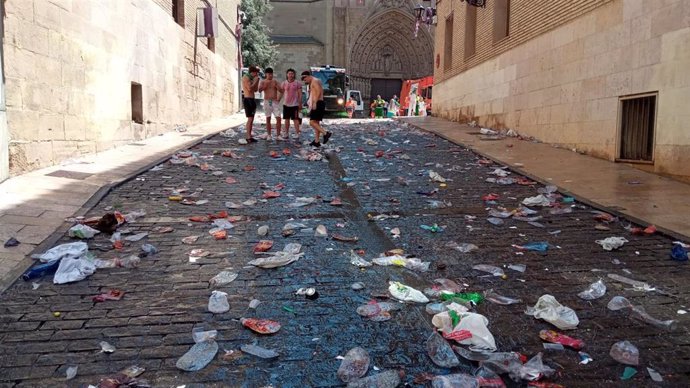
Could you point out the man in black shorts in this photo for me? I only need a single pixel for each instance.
(317, 108)
(250, 84)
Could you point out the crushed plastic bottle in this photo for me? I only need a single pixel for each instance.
(637, 285)
(218, 302)
(385, 379)
(639, 313)
(490, 269)
(454, 381)
(463, 297)
(149, 249)
(440, 351)
(595, 291)
(494, 297)
(223, 278)
(258, 351)
(462, 247)
(540, 246)
(354, 365)
(625, 353)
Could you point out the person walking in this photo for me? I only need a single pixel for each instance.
(394, 105)
(272, 107)
(250, 84)
(350, 106)
(317, 108)
(292, 102)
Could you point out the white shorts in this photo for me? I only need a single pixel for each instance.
(273, 108)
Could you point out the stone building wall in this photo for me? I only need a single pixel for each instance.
(565, 84)
(69, 67)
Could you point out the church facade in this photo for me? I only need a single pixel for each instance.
(374, 40)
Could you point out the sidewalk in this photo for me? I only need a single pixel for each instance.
(34, 205)
(638, 195)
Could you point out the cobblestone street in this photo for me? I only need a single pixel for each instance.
(380, 170)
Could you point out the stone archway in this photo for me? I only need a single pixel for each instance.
(386, 49)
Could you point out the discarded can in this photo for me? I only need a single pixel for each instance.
(311, 293)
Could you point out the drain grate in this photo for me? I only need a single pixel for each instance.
(70, 174)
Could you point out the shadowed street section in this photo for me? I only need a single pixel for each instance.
(386, 185)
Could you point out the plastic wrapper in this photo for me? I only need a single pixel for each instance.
(454, 381)
(218, 302)
(612, 243)
(490, 269)
(405, 293)
(82, 231)
(223, 278)
(625, 353)
(595, 291)
(440, 351)
(548, 309)
(357, 260)
(494, 297)
(73, 269)
(73, 250)
(410, 263)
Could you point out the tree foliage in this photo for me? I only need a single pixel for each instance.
(257, 47)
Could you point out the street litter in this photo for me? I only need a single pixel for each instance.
(562, 339)
(434, 176)
(466, 328)
(495, 221)
(654, 375)
(110, 295)
(638, 312)
(432, 228)
(290, 228)
(440, 351)
(263, 246)
(679, 253)
(500, 171)
(302, 201)
(148, 250)
(162, 229)
(106, 347)
(357, 286)
(385, 379)
(190, 239)
(357, 260)
(70, 250)
(395, 232)
(71, 372)
(321, 231)
(82, 231)
(354, 365)
(490, 269)
(201, 354)
(494, 297)
(603, 217)
(458, 380)
(595, 291)
(637, 285)
(11, 242)
(223, 278)
(517, 267)
(258, 351)
(625, 353)
(405, 293)
(378, 311)
(340, 237)
(309, 293)
(218, 302)
(136, 237)
(548, 309)
(462, 247)
(261, 326)
(289, 254)
(539, 200)
(401, 261)
(262, 230)
(611, 243)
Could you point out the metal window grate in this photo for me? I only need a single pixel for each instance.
(638, 119)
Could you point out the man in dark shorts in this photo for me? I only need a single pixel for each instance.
(292, 102)
(317, 108)
(250, 84)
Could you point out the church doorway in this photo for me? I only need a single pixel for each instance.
(387, 88)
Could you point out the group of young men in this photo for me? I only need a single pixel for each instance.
(284, 99)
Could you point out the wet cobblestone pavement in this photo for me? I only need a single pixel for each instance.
(380, 170)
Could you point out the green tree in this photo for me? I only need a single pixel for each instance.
(257, 47)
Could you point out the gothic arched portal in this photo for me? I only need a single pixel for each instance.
(386, 52)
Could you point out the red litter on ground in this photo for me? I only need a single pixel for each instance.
(261, 326)
(230, 180)
(558, 338)
(110, 295)
(263, 246)
(270, 194)
(490, 197)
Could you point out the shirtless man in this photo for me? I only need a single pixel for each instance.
(272, 91)
(292, 103)
(317, 108)
(250, 84)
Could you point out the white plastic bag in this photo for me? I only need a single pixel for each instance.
(482, 339)
(548, 309)
(443, 321)
(73, 269)
(223, 278)
(73, 250)
(406, 294)
(218, 302)
(82, 231)
(289, 254)
(611, 243)
(539, 200)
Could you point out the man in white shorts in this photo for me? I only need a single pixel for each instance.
(272, 106)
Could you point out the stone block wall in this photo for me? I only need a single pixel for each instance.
(69, 67)
(564, 85)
